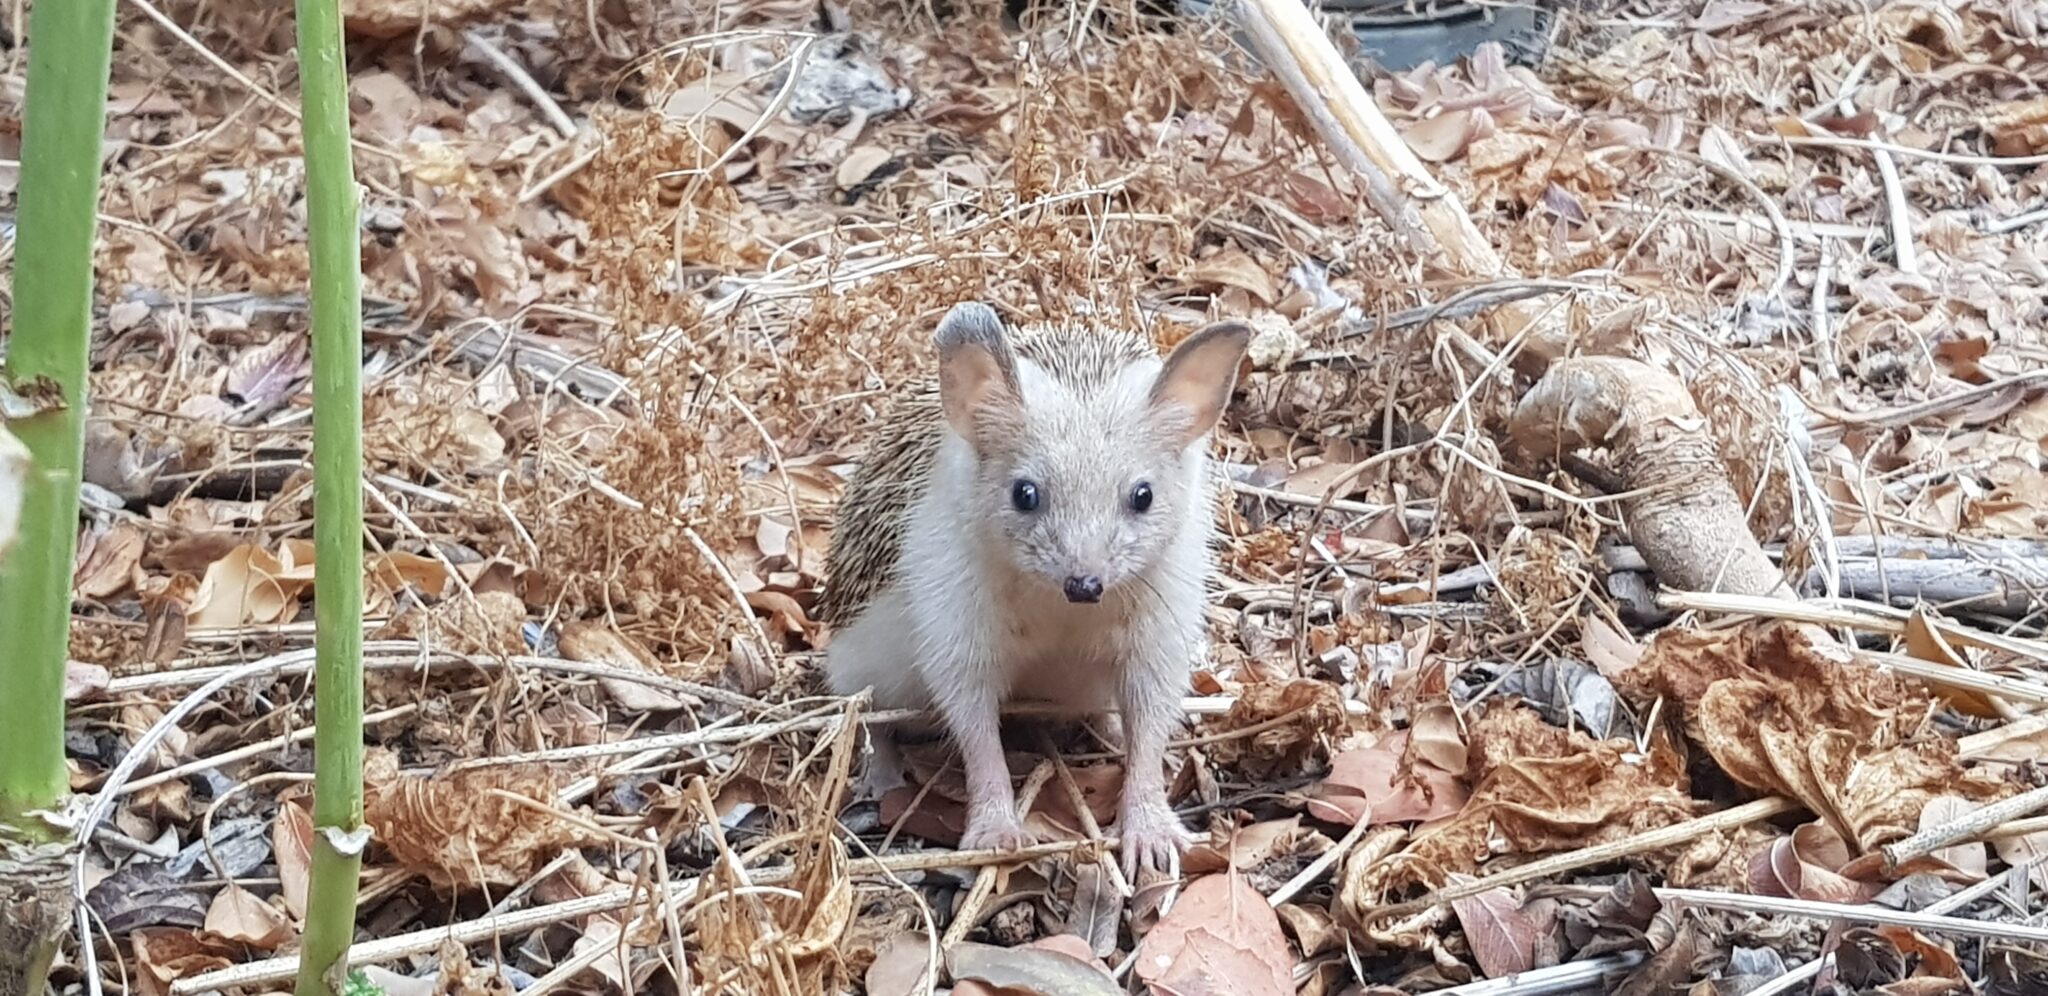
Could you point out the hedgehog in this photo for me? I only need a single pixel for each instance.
(1035, 524)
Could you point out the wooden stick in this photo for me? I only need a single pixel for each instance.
(1650, 840)
(1290, 42)
(1972, 824)
(1790, 980)
(1832, 912)
(1677, 833)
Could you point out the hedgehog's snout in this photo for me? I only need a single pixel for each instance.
(1083, 588)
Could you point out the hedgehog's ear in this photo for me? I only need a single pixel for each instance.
(1195, 384)
(976, 366)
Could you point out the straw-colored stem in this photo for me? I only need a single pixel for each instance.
(331, 199)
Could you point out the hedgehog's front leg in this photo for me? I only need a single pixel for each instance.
(1152, 834)
(970, 702)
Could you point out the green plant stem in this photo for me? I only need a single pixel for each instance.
(337, 501)
(68, 59)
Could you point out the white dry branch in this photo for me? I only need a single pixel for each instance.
(14, 470)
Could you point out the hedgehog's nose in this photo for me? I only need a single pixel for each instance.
(1083, 589)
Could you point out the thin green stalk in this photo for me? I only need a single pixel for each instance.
(69, 53)
(70, 50)
(337, 501)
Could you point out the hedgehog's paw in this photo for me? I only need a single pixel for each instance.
(995, 830)
(1152, 838)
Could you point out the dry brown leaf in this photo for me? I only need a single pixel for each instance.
(2020, 850)
(1924, 640)
(1378, 780)
(264, 377)
(1502, 937)
(1783, 708)
(904, 964)
(109, 561)
(1539, 788)
(1721, 149)
(1438, 736)
(166, 954)
(1441, 138)
(1244, 848)
(860, 163)
(1048, 967)
(1933, 959)
(597, 643)
(1220, 939)
(1608, 649)
(1236, 268)
(291, 839)
(238, 915)
(249, 586)
(388, 574)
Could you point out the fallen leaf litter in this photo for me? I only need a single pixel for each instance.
(615, 375)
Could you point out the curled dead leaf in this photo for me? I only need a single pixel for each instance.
(1303, 713)
(1236, 268)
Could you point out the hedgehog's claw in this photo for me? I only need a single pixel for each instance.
(1152, 839)
(995, 831)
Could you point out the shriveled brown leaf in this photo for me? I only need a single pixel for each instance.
(165, 955)
(467, 829)
(1805, 865)
(1539, 788)
(109, 561)
(1967, 858)
(1783, 709)
(859, 164)
(1244, 848)
(1924, 640)
(1313, 710)
(2023, 849)
(249, 586)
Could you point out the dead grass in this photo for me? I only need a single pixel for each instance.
(615, 380)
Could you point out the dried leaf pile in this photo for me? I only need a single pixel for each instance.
(641, 278)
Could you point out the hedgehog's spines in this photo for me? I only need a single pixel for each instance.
(868, 527)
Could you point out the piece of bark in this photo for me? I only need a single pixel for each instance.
(1681, 509)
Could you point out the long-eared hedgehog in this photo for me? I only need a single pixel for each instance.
(1035, 524)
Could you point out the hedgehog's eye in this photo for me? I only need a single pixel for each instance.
(1024, 496)
(1141, 497)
